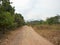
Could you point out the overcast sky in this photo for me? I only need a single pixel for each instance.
(37, 9)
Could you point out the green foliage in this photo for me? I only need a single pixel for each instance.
(6, 21)
(8, 18)
(19, 20)
(7, 7)
(53, 20)
(49, 21)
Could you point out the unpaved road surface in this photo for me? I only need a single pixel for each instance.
(26, 36)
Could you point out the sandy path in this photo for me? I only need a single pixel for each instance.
(26, 36)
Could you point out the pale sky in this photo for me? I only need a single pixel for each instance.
(37, 9)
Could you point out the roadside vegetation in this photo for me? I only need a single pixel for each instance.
(9, 20)
(50, 32)
(49, 29)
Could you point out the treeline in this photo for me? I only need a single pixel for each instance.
(8, 18)
(49, 21)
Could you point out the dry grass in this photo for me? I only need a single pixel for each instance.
(52, 33)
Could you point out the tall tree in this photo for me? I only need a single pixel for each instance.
(8, 19)
(7, 7)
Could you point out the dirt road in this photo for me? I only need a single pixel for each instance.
(26, 36)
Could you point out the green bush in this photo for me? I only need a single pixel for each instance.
(6, 21)
(19, 20)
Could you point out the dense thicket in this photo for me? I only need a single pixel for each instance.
(8, 18)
